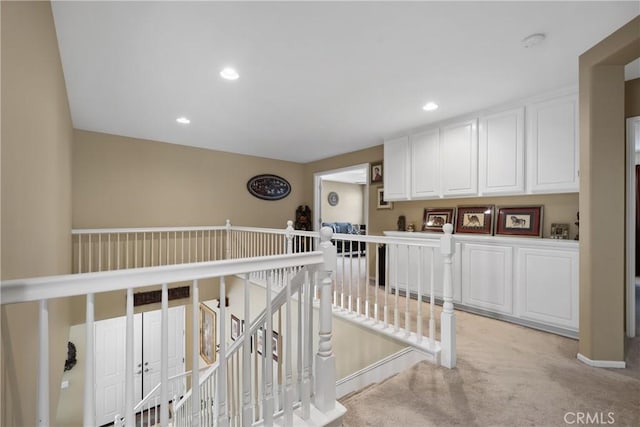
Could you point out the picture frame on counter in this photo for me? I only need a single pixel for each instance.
(434, 218)
(519, 221)
(475, 219)
(559, 231)
(382, 203)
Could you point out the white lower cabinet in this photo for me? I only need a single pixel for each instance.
(487, 277)
(529, 281)
(548, 286)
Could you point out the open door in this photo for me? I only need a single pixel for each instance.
(632, 222)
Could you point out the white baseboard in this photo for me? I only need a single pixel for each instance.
(602, 363)
(380, 371)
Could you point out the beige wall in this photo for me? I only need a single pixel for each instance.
(632, 98)
(560, 208)
(127, 182)
(36, 199)
(602, 197)
(350, 207)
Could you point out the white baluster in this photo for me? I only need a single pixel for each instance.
(164, 358)
(287, 337)
(221, 392)
(89, 415)
(419, 300)
(447, 318)
(43, 364)
(246, 357)
(268, 376)
(129, 375)
(396, 313)
(325, 377)
(195, 354)
(432, 302)
(377, 284)
(289, 236)
(407, 298)
(228, 238)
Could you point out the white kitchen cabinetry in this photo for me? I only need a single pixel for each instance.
(533, 282)
(396, 169)
(425, 165)
(501, 153)
(548, 286)
(459, 159)
(552, 145)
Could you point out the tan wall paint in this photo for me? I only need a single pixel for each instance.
(632, 98)
(350, 205)
(127, 182)
(560, 208)
(602, 197)
(36, 199)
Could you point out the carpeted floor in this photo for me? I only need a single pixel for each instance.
(507, 375)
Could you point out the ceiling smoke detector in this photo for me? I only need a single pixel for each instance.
(532, 40)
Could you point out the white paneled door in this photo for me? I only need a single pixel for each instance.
(110, 358)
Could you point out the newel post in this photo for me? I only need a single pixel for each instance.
(228, 238)
(448, 317)
(289, 236)
(325, 393)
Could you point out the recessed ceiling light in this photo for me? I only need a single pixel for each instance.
(183, 120)
(532, 40)
(430, 106)
(229, 74)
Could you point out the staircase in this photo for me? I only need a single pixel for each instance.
(295, 382)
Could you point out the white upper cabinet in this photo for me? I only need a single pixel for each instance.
(501, 153)
(552, 145)
(459, 159)
(425, 165)
(396, 169)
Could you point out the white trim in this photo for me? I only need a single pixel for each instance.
(633, 123)
(317, 179)
(380, 371)
(147, 229)
(602, 363)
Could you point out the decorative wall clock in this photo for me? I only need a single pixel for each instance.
(332, 198)
(269, 187)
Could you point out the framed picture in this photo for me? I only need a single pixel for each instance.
(434, 218)
(260, 339)
(560, 231)
(208, 339)
(519, 221)
(376, 172)
(235, 327)
(475, 219)
(275, 345)
(382, 203)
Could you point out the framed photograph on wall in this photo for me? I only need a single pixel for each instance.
(376, 172)
(208, 339)
(519, 221)
(475, 219)
(275, 345)
(382, 203)
(235, 327)
(434, 218)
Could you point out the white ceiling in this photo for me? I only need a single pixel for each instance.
(317, 79)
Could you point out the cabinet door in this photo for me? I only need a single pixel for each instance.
(501, 153)
(459, 159)
(552, 144)
(487, 277)
(425, 162)
(396, 169)
(548, 286)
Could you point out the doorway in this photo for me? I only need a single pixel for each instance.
(110, 358)
(632, 226)
(342, 195)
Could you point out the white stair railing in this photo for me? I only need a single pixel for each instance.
(92, 284)
(261, 384)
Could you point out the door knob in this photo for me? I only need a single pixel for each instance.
(146, 370)
(139, 372)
